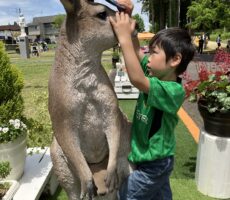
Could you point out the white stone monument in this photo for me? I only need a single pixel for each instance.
(22, 24)
(23, 39)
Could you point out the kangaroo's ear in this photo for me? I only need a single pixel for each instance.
(71, 5)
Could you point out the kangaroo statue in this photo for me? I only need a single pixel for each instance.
(90, 131)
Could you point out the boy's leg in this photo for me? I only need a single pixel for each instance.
(137, 187)
(149, 181)
(165, 191)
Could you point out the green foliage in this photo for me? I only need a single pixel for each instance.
(58, 20)
(139, 22)
(116, 54)
(223, 13)
(151, 29)
(165, 12)
(11, 84)
(4, 169)
(40, 131)
(208, 14)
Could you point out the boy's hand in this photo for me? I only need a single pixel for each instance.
(123, 26)
(128, 6)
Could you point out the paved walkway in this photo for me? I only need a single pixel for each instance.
(212, 45)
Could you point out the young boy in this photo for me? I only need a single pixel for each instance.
(155, 117)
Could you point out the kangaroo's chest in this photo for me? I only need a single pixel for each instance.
(94, 106)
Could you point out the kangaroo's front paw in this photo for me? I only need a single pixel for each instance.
(111, 180)
(88, 190)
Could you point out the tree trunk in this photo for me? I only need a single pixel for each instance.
(162, 15)
(178, 14)
(170, 13)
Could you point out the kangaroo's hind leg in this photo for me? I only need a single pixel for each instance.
(68, 182)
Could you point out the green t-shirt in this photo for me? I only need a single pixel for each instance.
(166, 96)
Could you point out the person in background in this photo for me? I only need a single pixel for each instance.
(228, 46)
(201, 43)
(161, 96)
(204, 37)
(218, 41)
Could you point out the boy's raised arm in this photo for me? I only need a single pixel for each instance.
(129, 8)
(124, 27)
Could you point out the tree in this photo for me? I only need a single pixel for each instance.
(209, 14)
(223, 13)
(58, 20)
(166, 12)
(140, 23)
(11, 84)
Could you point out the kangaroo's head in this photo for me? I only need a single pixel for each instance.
(87, 22)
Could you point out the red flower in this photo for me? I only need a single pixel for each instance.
(220, 66)
(203, 73)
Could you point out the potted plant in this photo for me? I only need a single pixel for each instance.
(212, 93)
(13, 146)
(7, 187)
(12, 130)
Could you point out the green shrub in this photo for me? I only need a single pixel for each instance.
(11, 84)
(4, 169)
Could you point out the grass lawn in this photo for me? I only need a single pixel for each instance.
(36, 72)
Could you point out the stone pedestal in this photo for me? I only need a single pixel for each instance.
(213, 166)
(24, 47)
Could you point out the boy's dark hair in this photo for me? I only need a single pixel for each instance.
(172, 41)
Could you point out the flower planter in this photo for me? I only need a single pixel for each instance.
(216, 123)
(14, 185)
(212, 174)
(15, 153)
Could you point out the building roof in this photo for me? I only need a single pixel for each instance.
(42, 20)
(145, 36)
(14, 27)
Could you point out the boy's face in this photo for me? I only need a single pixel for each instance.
(157, 65)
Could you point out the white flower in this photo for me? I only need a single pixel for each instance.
(17, 125)
(17, 121)
(5, 130)
(0, 128)
(24, 126)
(11, 121)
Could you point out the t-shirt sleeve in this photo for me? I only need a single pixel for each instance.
(144, 62)
(167, 96)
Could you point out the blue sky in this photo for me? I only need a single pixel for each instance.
(36, 8)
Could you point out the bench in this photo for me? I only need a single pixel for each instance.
(37, 175)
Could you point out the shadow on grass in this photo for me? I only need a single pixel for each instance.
(190, 167)
(35, 86)
(59, 195)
